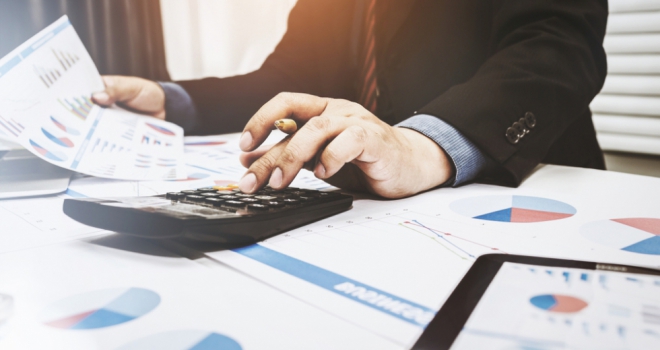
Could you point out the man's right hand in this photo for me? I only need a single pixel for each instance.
(137, 94)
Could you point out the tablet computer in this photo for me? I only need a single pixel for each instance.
(521, 302)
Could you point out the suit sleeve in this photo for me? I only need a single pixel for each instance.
(546, 62)
(298, 64)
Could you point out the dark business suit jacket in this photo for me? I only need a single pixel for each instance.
(479, 65)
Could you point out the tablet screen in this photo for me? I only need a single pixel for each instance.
(541, 307)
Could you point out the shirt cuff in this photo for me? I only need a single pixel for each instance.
(467, 159)
(179, 106)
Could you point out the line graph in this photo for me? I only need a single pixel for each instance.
(395, 250)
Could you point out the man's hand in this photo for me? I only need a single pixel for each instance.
(137, 94)
(344, 144)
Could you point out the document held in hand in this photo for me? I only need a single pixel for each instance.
(45, 105)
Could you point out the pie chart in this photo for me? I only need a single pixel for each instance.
(52, 155)
(558, 303)
(100, 309)
(184, 340)
(161, 129)
(635, 235)
(513, 208)
(205, 143)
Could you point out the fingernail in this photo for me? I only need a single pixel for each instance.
(276, 178)
(320, 171)
(101, 97)
(248, 183)
(246, 141)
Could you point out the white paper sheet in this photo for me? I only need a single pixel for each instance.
(529, 306)
(210, 161)
(414, 251)
(175, 296)
(35, 222)
(45, 89)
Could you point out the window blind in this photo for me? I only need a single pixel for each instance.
(627, 111)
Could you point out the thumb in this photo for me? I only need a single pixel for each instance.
(137, 93)
(117, 89)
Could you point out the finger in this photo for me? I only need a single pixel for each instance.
(137, 93)
(304, 146)
(300, 107)
(247, 158)
(348, 146)
(260, 170)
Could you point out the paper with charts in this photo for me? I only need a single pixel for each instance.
(45, 105)
(537, 307)
(389, 265)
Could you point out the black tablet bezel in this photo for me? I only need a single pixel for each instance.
(450, 319)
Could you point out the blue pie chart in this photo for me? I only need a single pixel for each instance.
(100, 308)
(184, 340)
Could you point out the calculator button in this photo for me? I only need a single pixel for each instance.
(274, 204)
(257, 206)
(244, 195)
(236, 190)
(249, 200)
(227, 197)
(306, 199)
(194, 198)
(265, 198)
(291, 201)
(233, 203)
(174, 195)
(206, 189)
(225, 192)
(214, 201)
(189, 191)
(209, 194)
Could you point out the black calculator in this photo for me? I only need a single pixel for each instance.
(208, 214)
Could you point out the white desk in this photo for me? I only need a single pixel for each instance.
(399, 248)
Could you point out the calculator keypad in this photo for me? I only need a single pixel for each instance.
(264, 200)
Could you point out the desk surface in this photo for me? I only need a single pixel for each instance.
(367, 278)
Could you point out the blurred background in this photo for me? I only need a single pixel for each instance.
(176, 40)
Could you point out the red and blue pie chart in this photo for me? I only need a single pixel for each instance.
(64, 128)
(205, 143)
(558, 303)
(184, 340)
(513, 208)
(161, 129)
(100, 308)
(634, 235)
(60, 141)
(52, 155)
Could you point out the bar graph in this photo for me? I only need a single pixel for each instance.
(10, 125)
(80, 107)
(66, 59)
(48, 76)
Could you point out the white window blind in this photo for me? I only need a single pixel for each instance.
(627, 111)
